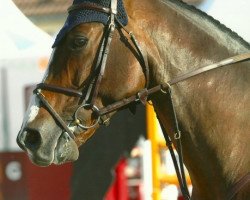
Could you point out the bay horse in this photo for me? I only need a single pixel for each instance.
(95, 69)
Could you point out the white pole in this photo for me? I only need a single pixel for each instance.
(147, 170)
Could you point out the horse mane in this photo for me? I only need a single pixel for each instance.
(210, 19)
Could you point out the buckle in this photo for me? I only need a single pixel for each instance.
(143, 96)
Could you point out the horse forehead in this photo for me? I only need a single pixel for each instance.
(88, 29)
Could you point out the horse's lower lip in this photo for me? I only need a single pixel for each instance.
(40, 162)
(58, 158)
(66, 150)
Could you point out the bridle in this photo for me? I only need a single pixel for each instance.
(142, 96)
(91, 95)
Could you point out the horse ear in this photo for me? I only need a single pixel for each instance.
(132, 108)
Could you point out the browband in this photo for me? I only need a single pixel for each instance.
(89, 6)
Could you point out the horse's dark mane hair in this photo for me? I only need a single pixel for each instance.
(215, 22)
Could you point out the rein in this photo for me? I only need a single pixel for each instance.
(141, 97)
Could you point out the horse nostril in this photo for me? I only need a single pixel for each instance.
(32, 139)
(20, 144)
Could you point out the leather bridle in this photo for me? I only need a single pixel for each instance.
(142, 96)
(90, 96)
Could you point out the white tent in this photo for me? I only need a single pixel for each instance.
(19, 37)
(24, 50)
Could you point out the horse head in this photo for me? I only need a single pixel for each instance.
(98, 67)
(86, 72)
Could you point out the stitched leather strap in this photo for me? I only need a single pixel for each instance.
(119, 104)
(228, 61)
(58, 89)
(54, 114)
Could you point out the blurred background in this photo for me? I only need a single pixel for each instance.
(143, 166)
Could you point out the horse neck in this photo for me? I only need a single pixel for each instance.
(179, 38)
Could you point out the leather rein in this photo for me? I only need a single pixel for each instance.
(142, 96)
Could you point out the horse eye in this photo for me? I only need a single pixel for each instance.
(78, 42)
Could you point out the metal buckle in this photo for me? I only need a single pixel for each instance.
(94, 109)
(143, 96)
(177, 135)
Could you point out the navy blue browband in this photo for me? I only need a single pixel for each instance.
(86, 15)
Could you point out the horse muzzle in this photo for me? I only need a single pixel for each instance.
(44, 151)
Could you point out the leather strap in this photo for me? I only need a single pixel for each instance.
(177, 165)
(57, 89)
(142, 58)
(105, 52)
(178, 138)
(117, 105)
(53, 113)
(195, 72)
(103, 63)
(135, 98)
